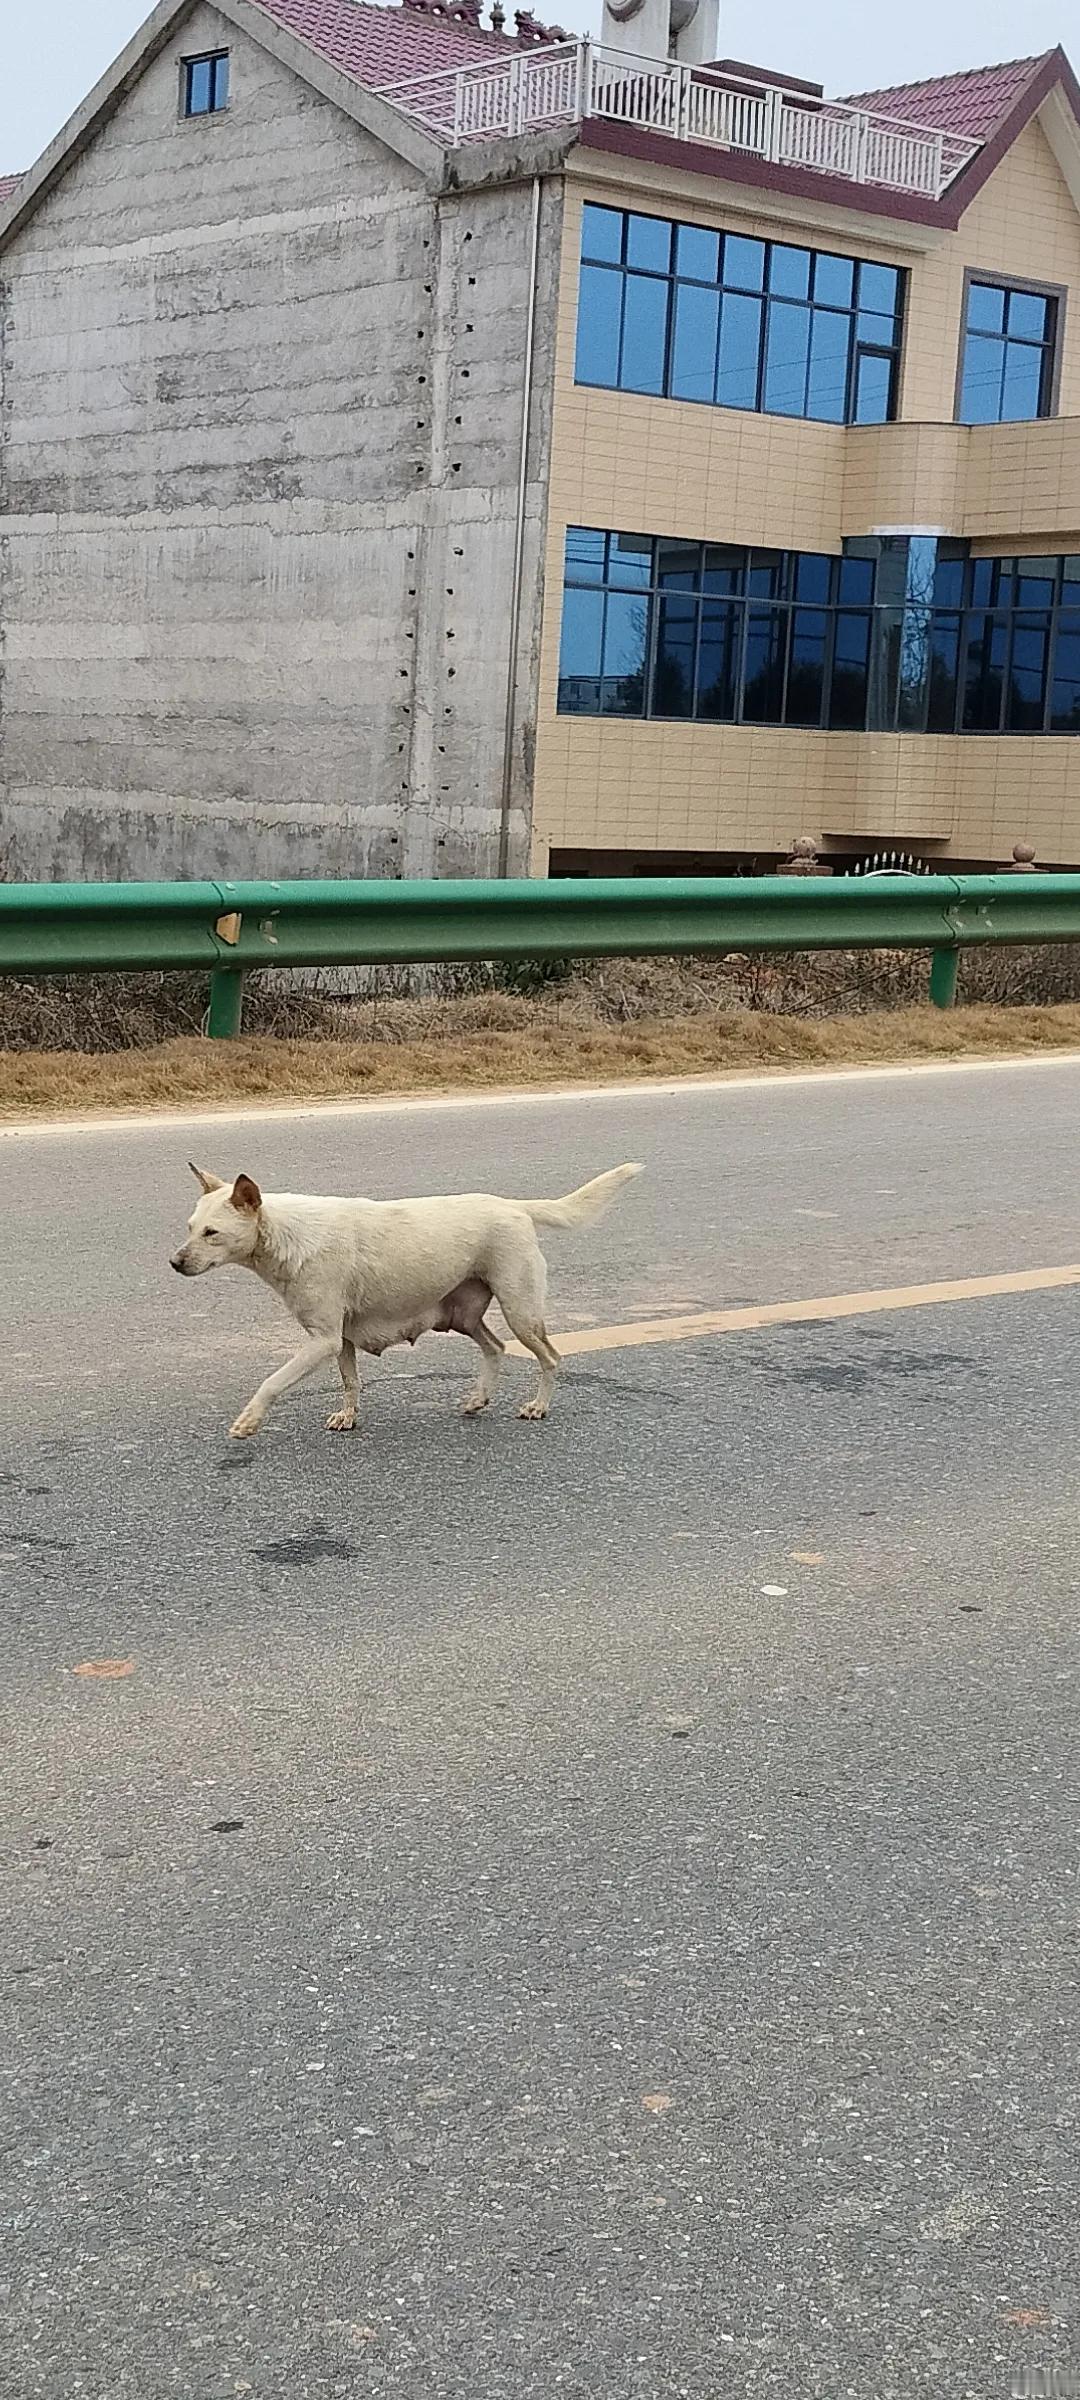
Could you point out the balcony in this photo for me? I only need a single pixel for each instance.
(562, 83)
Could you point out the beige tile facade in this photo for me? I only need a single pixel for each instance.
(641, 465)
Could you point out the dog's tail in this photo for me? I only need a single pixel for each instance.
(582, 1207)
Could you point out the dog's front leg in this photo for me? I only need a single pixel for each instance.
(311, 1354)
(344, 1419)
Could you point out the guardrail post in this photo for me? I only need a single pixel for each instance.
(944, 965)
(226, 1004)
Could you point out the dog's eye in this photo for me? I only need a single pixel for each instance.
(211, 1236)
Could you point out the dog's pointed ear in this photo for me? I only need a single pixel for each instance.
(210, 1183)
(246, 1196)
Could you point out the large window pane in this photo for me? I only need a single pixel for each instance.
(678, 566)
(724, 569)
(676, 642)
(740, 347)
(1021, 391)
(984, 679)
(789, 272)
(855, 580)
(629, 560)
(599, 321)
(580, 653)
(626, 628)
(834, 281)
(644, 334)
(851, 653)
(718, 659)
(787, 344)
(1065, 690)
(1028, 317)
(585, 552)
(813, 576)
(1026, 699)
(879, 288)
(744, 263)
(697, 253)
(873, 389)
(830, 343)
(806, 666)
(944, 654)
(765, 574)
(763, 682)
(980, 386)
(693, 349)
(601, 232)
(648, 243)
(986, 308)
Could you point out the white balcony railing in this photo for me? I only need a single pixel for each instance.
(560, 83)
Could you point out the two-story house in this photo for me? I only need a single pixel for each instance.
(428, 448)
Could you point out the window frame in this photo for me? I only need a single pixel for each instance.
(768, 299)
(204, 58)
(1058, 293)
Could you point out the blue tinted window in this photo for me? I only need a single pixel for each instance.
(739, 362)
(676, 649)
(1007, 363)
(787, 345)
(830, 345)
(585, 553)
(806, 667)
(873, 389)
(694, 342)
(601, 233)
(988, 645)
(834, 280)
(744, 263)
(718, 660)
(644, 339)
(697, 253)
(1065, 690)
(1027, 674)
(629, 561)
(599, 326)
(688, 319)
(879, 288)
(206, 84)
(1027, 316)
(648, 243)
(789, 272)
(986, 308)
(1022, 381)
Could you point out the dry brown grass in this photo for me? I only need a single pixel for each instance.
(523, 1047)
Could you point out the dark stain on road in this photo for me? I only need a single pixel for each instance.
(304, 1549)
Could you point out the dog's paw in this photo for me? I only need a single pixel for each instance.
(342, 1421)
(474, 1403)
(247, 1423)
(533, 1410)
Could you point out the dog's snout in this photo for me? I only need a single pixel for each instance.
(179, 1262)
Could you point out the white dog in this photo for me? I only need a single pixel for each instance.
(364, 1274)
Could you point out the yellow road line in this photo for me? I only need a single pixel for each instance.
(805, 1312)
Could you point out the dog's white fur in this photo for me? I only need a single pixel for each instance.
(364, 1274)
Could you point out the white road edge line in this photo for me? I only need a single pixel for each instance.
(738, 1080)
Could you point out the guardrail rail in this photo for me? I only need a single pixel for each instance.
(232, 928)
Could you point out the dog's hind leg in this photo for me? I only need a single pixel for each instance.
(520, 1292)
(492, 1353)
(344, 1419)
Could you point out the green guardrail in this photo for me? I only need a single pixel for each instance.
(231, 928)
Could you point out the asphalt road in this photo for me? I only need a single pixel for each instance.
(580, 1909)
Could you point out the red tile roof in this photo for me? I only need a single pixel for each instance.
(974, 103)
(8, 185)
(378, 46)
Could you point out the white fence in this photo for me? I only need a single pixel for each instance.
(560, 83)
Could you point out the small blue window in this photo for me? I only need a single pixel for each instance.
(205, 84)
(1007, 362)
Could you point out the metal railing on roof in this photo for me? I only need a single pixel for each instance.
(561, 83)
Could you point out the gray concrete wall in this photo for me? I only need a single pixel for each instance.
(260, 397)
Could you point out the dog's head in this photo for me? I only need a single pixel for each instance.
(224, 1230)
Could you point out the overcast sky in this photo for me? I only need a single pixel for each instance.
(54, 50)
